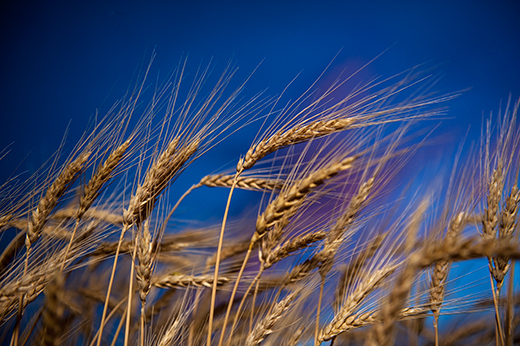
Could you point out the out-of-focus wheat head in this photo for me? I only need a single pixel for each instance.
(341, 251)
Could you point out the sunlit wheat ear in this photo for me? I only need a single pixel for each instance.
(294, 244)
(286, 204)
(440, 271)
(157, 178)
(180, 280)
(145, 262)
(508, 220)
(353, 269)
(100, 178)
(321, 119)
(491, 212)
(370, 318)
(245, 183)
(353, 300)
(92, 189)
(264, 327)
(52, 195)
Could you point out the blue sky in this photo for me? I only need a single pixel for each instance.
(64, 60)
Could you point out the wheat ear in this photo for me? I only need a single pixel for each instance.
(265, 326)
(92, 189)
(508, 219)
(352, 302)
(360, 320)
(52, 195)
(336, 237)
(40, 215)
(181, 280)
(462, 250)
(353, 268)
(144, 269)
(245, 183)
(440, 271)
(285, 206)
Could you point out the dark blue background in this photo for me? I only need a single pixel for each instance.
(62, 60)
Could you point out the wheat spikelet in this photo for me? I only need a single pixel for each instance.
(4, 220)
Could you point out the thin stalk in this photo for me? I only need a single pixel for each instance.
(235, 288)
(251, 317)
(217, 263)
(112, 313)
(119, 326)
(110, 283)
(317, 329)
(510, 306)
(498, 326)
(242, 302)
(130, 292)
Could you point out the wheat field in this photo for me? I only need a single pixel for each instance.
(336, 248)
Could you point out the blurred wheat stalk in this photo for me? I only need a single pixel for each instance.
(328, 260)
